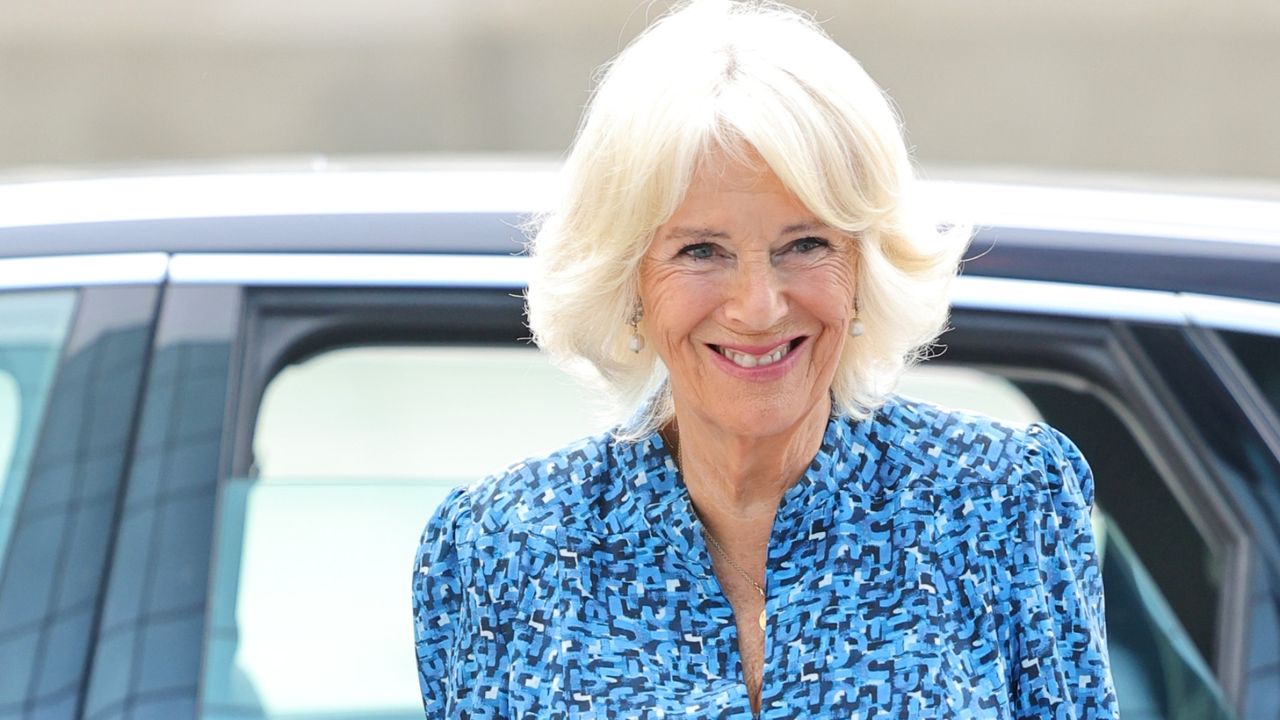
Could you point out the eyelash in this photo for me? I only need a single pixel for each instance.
(689, 250)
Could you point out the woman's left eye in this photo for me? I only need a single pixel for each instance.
(809, 244)
(699, 251)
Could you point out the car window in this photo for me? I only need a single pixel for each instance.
(1260, 356)
(963, 388)
(354, 448)
(33, 328)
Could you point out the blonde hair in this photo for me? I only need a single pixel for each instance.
(715, 74)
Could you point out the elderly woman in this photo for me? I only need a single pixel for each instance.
(772, 533)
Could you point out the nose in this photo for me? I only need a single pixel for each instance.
(756, 298)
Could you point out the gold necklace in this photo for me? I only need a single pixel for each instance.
(707, 534)
(716, 543)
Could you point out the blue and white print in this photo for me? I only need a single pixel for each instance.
(929, 564)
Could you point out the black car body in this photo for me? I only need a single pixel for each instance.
(231, 400)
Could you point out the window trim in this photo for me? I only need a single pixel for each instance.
(83, 270)
(1243, 389)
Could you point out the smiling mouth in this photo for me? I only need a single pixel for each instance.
(747, 360)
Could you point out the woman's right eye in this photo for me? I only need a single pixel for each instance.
(699, 251)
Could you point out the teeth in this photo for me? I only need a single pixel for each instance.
(750, 361)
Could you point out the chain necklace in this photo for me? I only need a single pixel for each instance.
(720, 548)
(716, 543)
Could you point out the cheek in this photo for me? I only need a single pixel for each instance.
(675, 301)
(830, 293)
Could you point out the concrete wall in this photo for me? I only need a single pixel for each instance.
(1168, 87)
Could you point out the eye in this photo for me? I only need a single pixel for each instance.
(809, 244)
(699, 251)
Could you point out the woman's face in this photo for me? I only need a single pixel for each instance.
(747, 299)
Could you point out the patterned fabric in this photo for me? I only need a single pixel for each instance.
(929, 564)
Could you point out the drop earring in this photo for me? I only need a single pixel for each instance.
(856, 327)
(636, 343)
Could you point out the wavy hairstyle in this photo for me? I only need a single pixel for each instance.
(718, 74)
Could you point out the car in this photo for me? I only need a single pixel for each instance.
(230, 400)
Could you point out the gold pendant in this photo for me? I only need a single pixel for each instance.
(762, 623)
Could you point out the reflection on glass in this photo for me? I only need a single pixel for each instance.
(33, 328)
(1158, 670)
(315, 619)
(354, 449)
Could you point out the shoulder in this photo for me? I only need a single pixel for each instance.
(946, 448)
(978, 477)
(537, 494)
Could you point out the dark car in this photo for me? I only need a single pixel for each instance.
(229, 403)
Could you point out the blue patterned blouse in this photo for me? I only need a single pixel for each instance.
(928, 564)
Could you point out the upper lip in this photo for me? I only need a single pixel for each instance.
(757, 349)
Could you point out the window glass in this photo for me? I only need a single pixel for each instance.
(33, 327)
(354, 448)
(1260, 356)
(963, 388)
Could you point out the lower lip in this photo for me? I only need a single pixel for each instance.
(758, 373)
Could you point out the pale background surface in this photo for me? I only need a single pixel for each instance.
(1153, 87)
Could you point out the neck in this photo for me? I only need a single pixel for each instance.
(743, 477)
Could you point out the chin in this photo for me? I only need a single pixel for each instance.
(760, 417)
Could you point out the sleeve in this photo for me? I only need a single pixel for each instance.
(1059, 665)
(437, 604)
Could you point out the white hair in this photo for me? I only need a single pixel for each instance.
(715, 75)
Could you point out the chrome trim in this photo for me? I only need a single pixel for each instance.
(1106, 212)
(403, 270)
(1068, 299)
(258, 194)
(1221, 313)
(76, 270)
(1128, 304)
(530, 188)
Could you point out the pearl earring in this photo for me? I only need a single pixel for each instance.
(636, 343)
(856, 328)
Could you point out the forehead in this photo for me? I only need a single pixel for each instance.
(738, 170)
(736, 188)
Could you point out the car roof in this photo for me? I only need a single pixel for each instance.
(1228, 246)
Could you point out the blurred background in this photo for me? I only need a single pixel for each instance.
(1155, 88)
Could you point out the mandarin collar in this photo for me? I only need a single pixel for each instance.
(657, 499)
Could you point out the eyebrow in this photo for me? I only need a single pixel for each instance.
(808, 226)
(702, 233)
(696, 233)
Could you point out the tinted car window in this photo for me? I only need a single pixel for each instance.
(62, 529)
(33, 328)
(1260, 356)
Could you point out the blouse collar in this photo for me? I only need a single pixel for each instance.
(655, 497)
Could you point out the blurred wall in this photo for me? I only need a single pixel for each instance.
(1151, 86)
